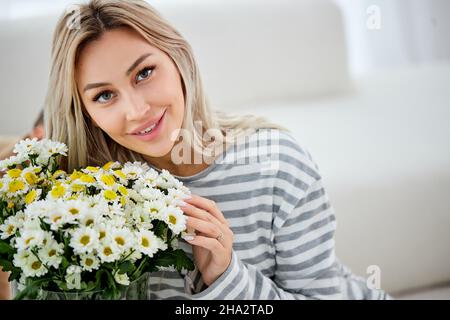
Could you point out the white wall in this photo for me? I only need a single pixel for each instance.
(411, 32)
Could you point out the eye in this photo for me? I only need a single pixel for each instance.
(103, 96)
(144, 73)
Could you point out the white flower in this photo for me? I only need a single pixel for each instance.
(104, 231)
(39, 209)
(166, 180)
(31, 174)
(154, 209)
(108, 251)
(73, 277)
(14, 187)
(33, 267)
(9, 227)
(134, 170)
(89, 262)
(90, 217)
(30, 238)
(151, 194)
(75, 210)
(57, 215)
(134, 195)
(51, 253)
(27, 147)
(117, 221)
(84, 240)
(115, 209)
(148, 243)
(122, 278)
(21, 258)
(122, 238)
(141, 217)
(174, 196)
(49, 148)
(133, 256)
(11, 161)
(150, 177)
(175, 219)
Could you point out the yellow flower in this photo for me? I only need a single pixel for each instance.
(75, 175)
(31, 178)
(110, 195)
(14, 173)
(123, 191)
(10, 204)
(58, 174)
(87, 178)
(92, 169)
(58, 191)
(108, 165)
(123, 201)
(108, 179)
(78, 187)
(16, 185)
(30, 197)
(120, 174)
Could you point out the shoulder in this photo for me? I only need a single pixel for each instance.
(285, 151)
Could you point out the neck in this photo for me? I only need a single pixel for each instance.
(187, 166)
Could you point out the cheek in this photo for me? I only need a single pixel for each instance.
(109, 120)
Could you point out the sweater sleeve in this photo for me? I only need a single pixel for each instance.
(304, 260)
(303, 237)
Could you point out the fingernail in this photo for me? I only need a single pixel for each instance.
(188, 237)
(181, 203)
(186, 196)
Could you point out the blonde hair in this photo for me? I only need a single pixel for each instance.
(66, 119)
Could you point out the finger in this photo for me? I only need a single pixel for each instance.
(207, 205)
(199, 213)
(207, 228)
(211, 244)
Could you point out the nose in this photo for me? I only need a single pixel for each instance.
(137, 108)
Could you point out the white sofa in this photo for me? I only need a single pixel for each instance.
(381, 141)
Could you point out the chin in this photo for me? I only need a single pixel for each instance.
(157, 151)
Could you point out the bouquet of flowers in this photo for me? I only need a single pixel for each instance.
(93, 230)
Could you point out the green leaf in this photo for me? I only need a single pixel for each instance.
(6, 248)
(6, 265)
(176, 258)
(90, 286)
(64, 263)
(159, 228)
(126, 266)
(61, 285)
(32, 287)
(15, 274)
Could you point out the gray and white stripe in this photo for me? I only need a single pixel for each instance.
(283, 224)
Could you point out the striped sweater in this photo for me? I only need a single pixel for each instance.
(271, 192)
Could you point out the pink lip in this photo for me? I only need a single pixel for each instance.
(154, 132)
(147, 124)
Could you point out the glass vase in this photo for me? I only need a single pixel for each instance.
(136, 290)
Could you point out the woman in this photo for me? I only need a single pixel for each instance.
(124, 86)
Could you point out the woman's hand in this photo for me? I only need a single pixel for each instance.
(213, 243)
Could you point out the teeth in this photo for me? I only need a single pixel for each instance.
(148, 129)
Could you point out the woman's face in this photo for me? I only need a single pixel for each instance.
(132, 91)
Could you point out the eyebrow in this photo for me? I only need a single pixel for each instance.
(130, 69)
